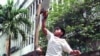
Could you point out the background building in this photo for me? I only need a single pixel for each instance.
(18, 48)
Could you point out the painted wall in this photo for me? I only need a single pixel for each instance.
(24, 51)
(2, 44)
(17, 3)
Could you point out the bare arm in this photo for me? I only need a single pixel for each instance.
(45, 14)
(68, 49)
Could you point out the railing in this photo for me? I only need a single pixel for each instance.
(30, 35)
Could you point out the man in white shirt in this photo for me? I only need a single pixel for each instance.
(56, 43)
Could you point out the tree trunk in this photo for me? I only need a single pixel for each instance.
(37, 25)
(44, 5)
(8, 44)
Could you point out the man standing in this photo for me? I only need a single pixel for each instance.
(56, 43)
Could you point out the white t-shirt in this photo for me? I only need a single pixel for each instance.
(56, 45)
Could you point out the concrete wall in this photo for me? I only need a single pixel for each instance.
(17, 3)
(24, 51)
(2, 44)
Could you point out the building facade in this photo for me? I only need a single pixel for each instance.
(18, 48)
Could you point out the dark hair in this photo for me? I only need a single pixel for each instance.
(62, 36)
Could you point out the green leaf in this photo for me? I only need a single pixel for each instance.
(22, 34)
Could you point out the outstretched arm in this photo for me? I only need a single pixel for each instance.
(45, 14)
(68, 49)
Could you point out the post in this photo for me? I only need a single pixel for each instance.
(37, 27)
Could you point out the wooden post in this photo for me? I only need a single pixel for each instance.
(44, 5)
(37, 28)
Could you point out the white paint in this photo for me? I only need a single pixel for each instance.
(2, 44)
(27, 3)
(24, 51)
(3, 2)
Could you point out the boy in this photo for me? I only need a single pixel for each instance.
(56, 43)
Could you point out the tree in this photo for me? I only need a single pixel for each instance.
(11, 20)
(80, 19)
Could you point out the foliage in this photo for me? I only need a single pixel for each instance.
(12, 18)
(80, 19)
